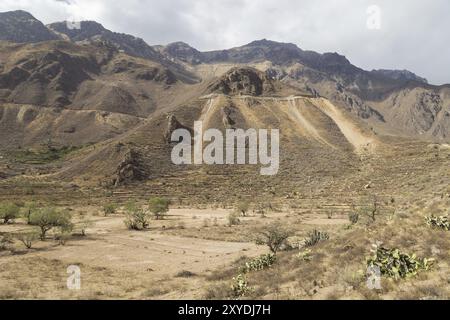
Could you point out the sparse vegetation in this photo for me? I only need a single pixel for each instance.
(45, 155)
(29, 208)
(109, 208)
(84, 224)
(28, 238)
(440, 222)
(5, 241)
(243, 208)
(9, 212)
(353, 217)
(233, 219)
(396, 264)
(259, 263)
(159, 207)
(315, 237)
(274, 236)
(136, 217)
(48, 218)
(240, 286)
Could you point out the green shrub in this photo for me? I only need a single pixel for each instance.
(28, 238)
(109, 208)
(438, 222)
(9, 212)
(259, 263)
(48, 218)
(315, 236)
(136, 217)
(159, 207)
(395, 264)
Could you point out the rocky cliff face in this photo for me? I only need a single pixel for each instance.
(243, 81)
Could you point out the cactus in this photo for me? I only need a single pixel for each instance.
(395, 264)
(315, 237)
(441, 222)
(259, 263)
(240, 286)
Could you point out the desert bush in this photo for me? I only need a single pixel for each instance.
(159, 207)
(315, 236)
(29, 208)
(243, 207)
(261, 209)
(62, 236)
(441, 222)
(240, 286)
(28, 238)
(259, 263)
(185, 274)
(109, 208)
(395, 264)
(48, 218)
(305, 255)
(5, 241)
(136, 217)
(274, 236)
(233, 219)
(8, 212)
(84, 224)
(371, 210)
(353, 217)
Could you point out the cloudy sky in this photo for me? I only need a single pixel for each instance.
(402, 34)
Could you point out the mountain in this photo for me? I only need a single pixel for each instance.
(21, 27)
(392, 101)
(91, 31)
(402, 75)
(97, 87)
(78, 94)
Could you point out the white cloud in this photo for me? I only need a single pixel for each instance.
(413, 33)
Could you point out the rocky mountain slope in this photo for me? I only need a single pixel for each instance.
(118, 99)
(20, 26)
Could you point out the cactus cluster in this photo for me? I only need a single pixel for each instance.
(259, 263)
(441, 222)
(240, 286)
(305, 255)
(315, 236)
(395, 264)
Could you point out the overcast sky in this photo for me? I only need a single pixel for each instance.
(412, 34)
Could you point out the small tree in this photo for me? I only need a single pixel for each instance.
(136, 217)
(28, 238)
(48, 218)
(9, 212)
(274, 236)
(243, 208)
(159, 207)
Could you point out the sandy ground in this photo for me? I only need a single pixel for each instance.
(110, 245)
